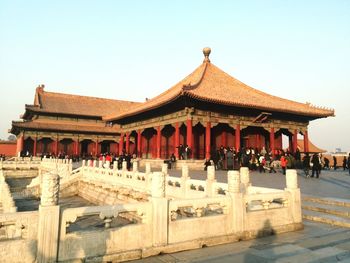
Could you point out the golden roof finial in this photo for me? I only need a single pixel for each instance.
(206, 52)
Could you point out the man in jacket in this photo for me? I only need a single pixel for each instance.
(315, 165)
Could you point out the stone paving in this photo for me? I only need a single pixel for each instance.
(330, 184)
(316, 243)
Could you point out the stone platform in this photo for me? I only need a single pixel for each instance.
(317, 242)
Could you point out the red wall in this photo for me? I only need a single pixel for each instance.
(8, 148)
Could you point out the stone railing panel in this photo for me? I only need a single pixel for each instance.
(18, 236)
(112, 239)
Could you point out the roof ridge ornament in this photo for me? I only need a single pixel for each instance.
(206, 52)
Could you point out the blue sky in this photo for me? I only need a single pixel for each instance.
(131, 50)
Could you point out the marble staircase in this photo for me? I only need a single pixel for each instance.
(332, 211)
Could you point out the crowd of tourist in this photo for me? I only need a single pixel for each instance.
(185, 152)
(226, 158)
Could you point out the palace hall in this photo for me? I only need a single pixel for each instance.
(206, 110)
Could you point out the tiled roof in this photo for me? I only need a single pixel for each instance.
(211, 84)
(51, 102)
(63, 126)
(312, 147)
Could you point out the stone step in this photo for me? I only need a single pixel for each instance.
(328, 201)
(326, 218)
(326, 208)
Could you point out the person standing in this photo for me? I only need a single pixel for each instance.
(272, 165)
(315, 165)
(284, 163)
(334, 163)
(349, 163)
(181, 152)
(306, 165)
(206, 164)
(326, 163)
(172, 161)
(344, 163)
(230, 159)
(262, 163)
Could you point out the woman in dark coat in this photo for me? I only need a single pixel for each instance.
(315, 160)
(230, 159)
(334, 163)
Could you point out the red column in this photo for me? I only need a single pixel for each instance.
(257, 141)
(139, 143)
(207, 140)
(20, 142)
(189, 133)
(306, 142)
(295, 140)
(290, 137)
(96, 147)
(272, 141)
(153, 146)
(177, 140)
(127, 142)
(121, 143)
(35, 143)
(158, 142)
(224, 138)
(238, 137)
(77, 147)
(56, 147)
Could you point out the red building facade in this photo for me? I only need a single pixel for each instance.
(207, 109)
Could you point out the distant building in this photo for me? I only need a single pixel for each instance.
(311, 149)
(8, 148)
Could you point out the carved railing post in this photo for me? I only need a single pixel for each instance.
(237, 210)
(49, 217)
(70, 169)
(160, 209)
(165, 169)
(50, 189)
(233, 182)
(124, 169)
(148, 168)
(184, 178)
(148, 175)
(245, 178)
(291, 179)
(210, 181)
(294, 190)
(135, 166)
(158, 185)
